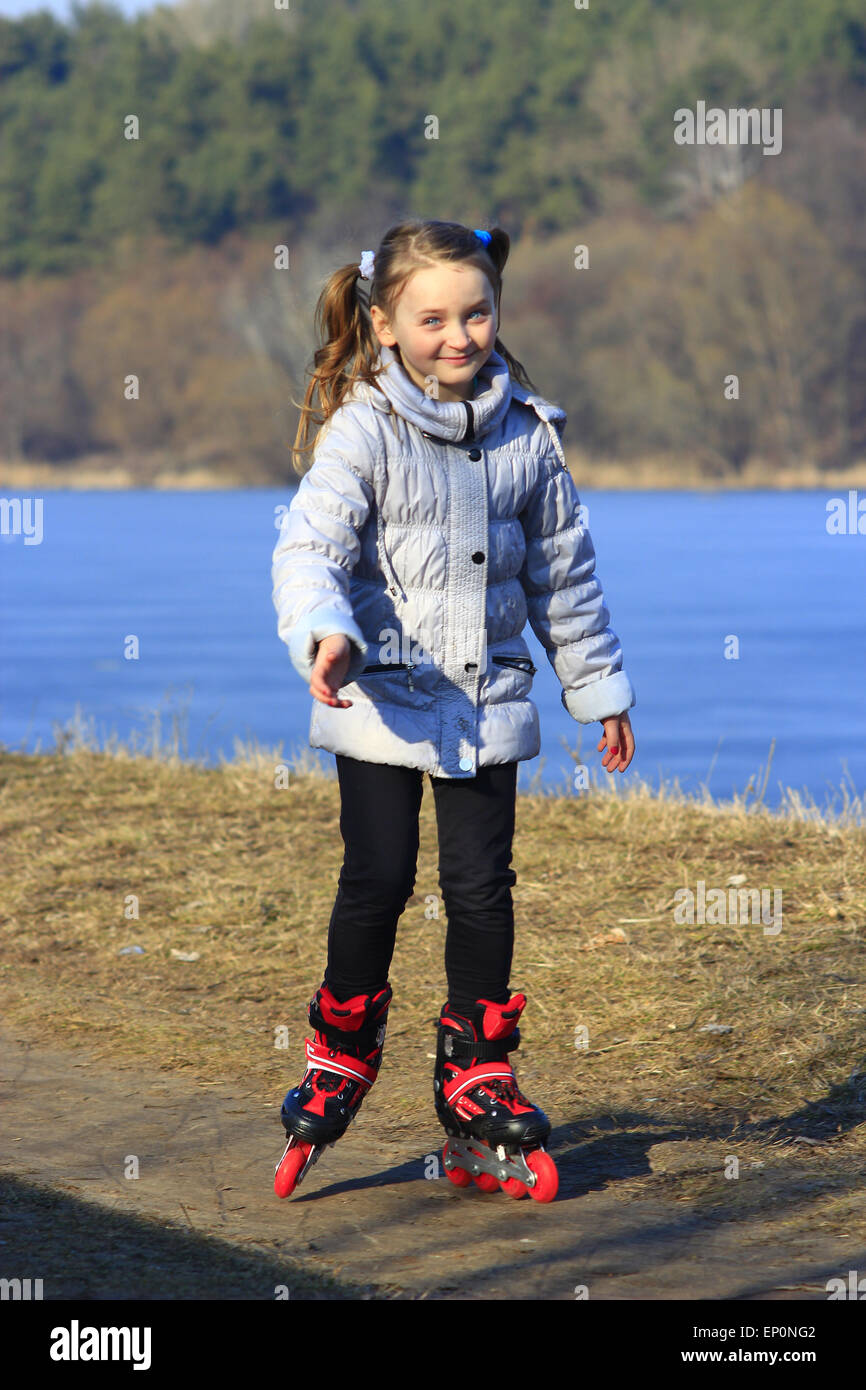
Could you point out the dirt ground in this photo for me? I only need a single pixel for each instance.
(643, 1212)
(162, 927)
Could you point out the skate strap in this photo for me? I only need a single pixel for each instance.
(365, 1036)
(472, 1076)
(352, 1067)
(455, 1045)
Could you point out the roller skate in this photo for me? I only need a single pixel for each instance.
(497, 1136)
(343, 1062)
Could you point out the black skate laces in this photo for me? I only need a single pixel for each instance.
(505, 1091)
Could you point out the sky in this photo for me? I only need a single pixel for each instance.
(14, 9)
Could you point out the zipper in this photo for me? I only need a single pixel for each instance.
(522, 663)
(407, 666)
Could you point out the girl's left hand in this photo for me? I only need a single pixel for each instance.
(619, 741)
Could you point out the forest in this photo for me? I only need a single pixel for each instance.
(151, 171)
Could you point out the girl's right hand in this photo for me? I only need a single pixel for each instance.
(329, 671)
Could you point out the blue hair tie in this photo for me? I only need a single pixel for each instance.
(482, 236)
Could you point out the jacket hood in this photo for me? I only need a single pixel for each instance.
(451, 419)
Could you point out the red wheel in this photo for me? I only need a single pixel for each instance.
(288, 1168)
(486, 1182)
(514, 1187)
(458, 1176)
(546, 1176)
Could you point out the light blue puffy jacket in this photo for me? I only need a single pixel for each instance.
(427, 532)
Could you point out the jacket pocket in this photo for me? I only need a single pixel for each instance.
(392, 683)
(407, 666)
(520, 663)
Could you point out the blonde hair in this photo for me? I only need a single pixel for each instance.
(350, 350)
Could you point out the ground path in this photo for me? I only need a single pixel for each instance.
(202, 1220)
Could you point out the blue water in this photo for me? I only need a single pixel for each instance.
(189, 575)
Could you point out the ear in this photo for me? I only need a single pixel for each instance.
(380, 326)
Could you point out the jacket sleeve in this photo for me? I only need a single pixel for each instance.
(318, 548)
(565, 602)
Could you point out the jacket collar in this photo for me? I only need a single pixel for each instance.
(445, 419)
(450, 419)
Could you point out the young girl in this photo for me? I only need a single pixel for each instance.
(437, 516)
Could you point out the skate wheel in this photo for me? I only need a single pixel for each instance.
(486, 1182)
(514, 1187)
(288, 1168)
(546, 1176)
(458, 1176)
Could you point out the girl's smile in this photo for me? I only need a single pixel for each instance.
(437, 306)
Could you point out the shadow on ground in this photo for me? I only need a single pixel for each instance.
(83, 1251)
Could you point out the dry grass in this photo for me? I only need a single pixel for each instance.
(671, 472)
(223, 863)
(163, 472)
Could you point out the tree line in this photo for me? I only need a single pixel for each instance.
(149, 167)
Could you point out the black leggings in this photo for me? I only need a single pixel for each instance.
(379, 826)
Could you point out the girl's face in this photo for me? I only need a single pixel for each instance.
(444, 326)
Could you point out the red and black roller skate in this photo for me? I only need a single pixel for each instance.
(497, 1136)
(343, 1062)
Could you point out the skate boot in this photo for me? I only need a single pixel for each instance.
(497, 1136)
(343, 1062)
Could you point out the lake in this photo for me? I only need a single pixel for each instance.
(682, 572)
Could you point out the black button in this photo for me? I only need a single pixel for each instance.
(478, 557)
(475, 455)
(470, 666)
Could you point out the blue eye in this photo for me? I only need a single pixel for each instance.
(434, 318)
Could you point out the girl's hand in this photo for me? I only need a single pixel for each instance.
(329, 672)
(619, 740)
